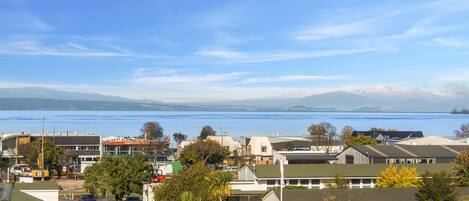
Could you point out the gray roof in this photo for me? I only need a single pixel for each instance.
(411, 151)
(346, 170)
(381, 194)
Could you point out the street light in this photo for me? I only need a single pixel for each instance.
(282, 179)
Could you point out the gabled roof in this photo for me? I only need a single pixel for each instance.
(395, 135)
(411, 151)
(381, 194)
(346, 170)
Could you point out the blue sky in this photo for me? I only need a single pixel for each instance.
(227, 50)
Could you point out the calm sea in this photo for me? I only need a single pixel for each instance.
(128, 123)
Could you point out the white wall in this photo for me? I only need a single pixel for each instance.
(46, 195)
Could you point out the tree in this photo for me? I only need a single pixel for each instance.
(197, 182)
(179, 137)
(463, 131)
(339, 182)
(206, 131)
(151, 130)
(392, 178)
(346, 132)
(360, 140)
(52, 154)
(118, 175)
(436, 187)
(322, 134)
(208, 151)
(219, 184)
(289, 146)
(377, 129)
(461, 168)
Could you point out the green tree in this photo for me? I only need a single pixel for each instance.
(219, 184)
(118, 175)
(206, 131)
(391, 177)
(151, 130)
(463, 131)
(289, 146)
(339, 182)
(206, 151)
(52, 154)
(359, 140)
(461, 168)
(179, 137)
(436, 187)
(195, 183)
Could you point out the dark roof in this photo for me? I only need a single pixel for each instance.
(37, 186)
(309, 156)
(411, 151)
(73, 139)
(346, 170)
(381, 194)
(393, 135)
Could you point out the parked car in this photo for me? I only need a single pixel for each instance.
(18, 169)
(132, 198)
(87, 197)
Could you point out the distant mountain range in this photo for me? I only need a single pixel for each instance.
(50, 99)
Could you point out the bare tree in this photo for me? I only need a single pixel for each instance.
(322, 134)
(346, 132)
(463, 131)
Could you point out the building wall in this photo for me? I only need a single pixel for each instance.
(245, 174)
(358, 158)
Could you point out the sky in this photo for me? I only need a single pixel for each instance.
(181, 51)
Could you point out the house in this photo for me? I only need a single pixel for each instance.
(390, 136)
(372, 154)
(381, 194)
(304, 157)
(430, 140)
(316, 176)
(227, 142)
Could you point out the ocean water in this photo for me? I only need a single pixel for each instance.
(128, 123)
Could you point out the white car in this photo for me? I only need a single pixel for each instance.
(18, 169)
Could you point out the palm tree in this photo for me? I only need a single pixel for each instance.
(219, 184)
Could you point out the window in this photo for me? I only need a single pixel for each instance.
(366, 181)
(263, 149)
(355, 181)
(293, 182)
(304, 182)
(349, 159)
(271, 182)
(315, 182)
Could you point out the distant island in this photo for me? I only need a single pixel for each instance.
(462, 111)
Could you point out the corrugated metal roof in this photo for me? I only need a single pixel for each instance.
(347, 170)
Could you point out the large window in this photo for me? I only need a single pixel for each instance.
(271, 182)
(263, 149)
(349, 159)
(293, 182)
(304, 182)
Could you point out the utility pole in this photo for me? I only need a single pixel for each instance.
(42, 149)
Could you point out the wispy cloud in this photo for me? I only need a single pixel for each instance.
(451, 42)
(174, 76)
(293, 78)
(36, 48)
(236, 57)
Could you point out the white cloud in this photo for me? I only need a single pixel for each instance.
(36, 48)
(451, 42)
(291, 78)
(332, 31)
(235, 57)
(456, 75)
(171, 78)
